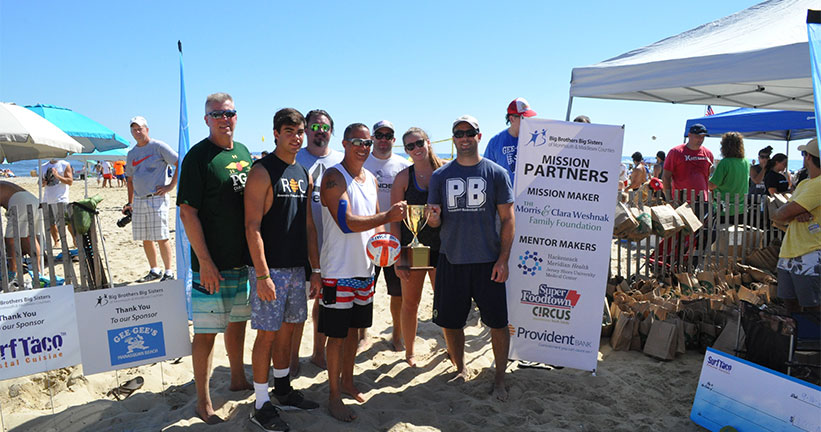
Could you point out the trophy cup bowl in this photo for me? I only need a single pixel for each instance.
(415, 256)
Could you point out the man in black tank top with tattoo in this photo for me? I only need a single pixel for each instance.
(281, 239)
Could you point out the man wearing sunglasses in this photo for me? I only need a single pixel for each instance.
(210, 198)
(350, 216)
(464, 198)
(502, 148)
(146, 166)
(383, 164)
(316, 157)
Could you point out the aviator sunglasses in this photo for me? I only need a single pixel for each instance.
(317, 126)
(359, 142)
(470, 133)
(380, 135)
(222, 113)
(410, 146)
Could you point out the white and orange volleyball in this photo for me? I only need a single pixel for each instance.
(383, 249)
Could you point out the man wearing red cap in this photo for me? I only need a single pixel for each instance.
(502, 147)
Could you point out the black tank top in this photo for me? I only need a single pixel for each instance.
(283, 227)
(429, 236)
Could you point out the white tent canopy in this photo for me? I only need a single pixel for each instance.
(757, 58)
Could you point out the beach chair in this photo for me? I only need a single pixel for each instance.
(93, 259)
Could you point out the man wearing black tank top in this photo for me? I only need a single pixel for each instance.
(277, 213)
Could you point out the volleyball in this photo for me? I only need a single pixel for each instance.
(383, 249)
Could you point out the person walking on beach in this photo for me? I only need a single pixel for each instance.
(210, 198)
(502, 148)
(687, 167)
(316, 157)
(799, 261)
(383, 164)
(148, 186)
(57, 177)
(465, 196)
(277, 212)
(107, 175)
(350, 216)
(119, 172)
(411, 185)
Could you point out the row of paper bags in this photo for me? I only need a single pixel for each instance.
(662, 220)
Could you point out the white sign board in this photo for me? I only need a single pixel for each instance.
(564, 200)
(748, 397)
(132, 325)
(38, 331)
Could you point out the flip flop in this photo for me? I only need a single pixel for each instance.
(213, 419)
(125, 390)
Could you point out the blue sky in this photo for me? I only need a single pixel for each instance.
(420, 63)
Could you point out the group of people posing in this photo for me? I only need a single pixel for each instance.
(296, 223)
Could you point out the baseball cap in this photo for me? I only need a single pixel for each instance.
(383, 124)
(811, 147)
(140, 120)
(469, 119)
(521, 107)
(698, 129)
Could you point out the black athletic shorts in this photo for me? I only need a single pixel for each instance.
(335, 322)
(391, 280)
(457, 285)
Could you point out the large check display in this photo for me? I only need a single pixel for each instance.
(564, 200)
(748, 397)
(39, 331)
(132, 325)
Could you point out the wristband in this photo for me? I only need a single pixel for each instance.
(316, 270)
(263, 277)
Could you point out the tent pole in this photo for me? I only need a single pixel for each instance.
(788, 148)
(569, 107)
(85, 177)
(39, 180)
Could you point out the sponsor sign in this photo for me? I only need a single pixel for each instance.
(748, 397)
(132, 325)
(565, 196)
(38, 331)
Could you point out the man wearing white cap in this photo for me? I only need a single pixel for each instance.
(502, 147)
(146, 168)
(465, 197)
(384, 165)
(799, 261)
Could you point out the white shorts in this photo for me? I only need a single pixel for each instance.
(150, 218)
(21, 200)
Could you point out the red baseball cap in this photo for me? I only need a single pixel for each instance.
(521, 107)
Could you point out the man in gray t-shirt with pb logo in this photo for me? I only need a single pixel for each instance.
(147, 171)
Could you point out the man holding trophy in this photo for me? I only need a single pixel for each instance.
(464, 198)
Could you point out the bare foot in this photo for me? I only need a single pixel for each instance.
(294, 369)
(352, 391)
(341, 412)
(411, 360)
(499, 392)
(364, 344)
(242, 386)
(398, 344)
(463, 376)
(208, 415)
(319, 361)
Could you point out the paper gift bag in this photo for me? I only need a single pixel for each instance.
(686, 283)
(624, 221)
(689, 218)
(662, 340)
(748, 296)
(644, 223)
(635, 342)
(732, 337)
(681, 339)
(666, 221)
(622, 335)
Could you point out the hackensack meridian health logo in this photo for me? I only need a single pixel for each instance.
(530, 263)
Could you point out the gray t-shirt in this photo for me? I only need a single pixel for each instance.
(147, 166)
(385, 171)
(316, 166)
(468, 196)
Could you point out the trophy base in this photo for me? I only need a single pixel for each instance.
(415, 258)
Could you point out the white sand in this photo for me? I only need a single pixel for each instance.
(631, 392)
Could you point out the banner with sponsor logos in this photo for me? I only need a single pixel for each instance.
(39, 331)
(748, 397)
(132, 325)
(565, 196)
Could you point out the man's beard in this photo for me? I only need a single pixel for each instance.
(319, 142)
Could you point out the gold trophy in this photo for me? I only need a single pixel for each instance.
(415, 256)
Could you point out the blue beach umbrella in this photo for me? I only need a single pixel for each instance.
(92, 135)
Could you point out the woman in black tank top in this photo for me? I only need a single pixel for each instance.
(411, 185)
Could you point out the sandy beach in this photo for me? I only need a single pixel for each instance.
(630, 391)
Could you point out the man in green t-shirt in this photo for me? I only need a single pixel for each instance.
(210, 197)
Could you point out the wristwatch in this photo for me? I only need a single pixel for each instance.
(316, 270)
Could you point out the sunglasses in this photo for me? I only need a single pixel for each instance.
(803, 153)
(411, 145)
(470, 134)
(222, 113)
(359, 142)
(317, 126)
(380, 135)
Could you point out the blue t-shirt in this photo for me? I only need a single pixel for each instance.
(468, 196)
(502, 150)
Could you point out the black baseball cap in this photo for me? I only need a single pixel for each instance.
(698, 129)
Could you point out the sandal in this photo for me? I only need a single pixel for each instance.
(125, 390)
